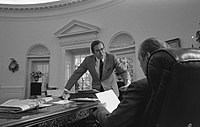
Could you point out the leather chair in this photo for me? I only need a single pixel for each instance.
(174, 76)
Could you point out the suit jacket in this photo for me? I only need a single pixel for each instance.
(130, 111)
(108, 77)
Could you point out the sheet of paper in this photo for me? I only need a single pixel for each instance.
(110, 98)
(61, 102)
(44, 105)
(55, 93)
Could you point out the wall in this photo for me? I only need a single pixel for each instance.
(166, 19)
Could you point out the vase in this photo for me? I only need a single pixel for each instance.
(36, 79)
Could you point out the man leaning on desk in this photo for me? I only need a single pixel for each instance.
(101, 66)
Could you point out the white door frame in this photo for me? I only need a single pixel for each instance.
(30, 61)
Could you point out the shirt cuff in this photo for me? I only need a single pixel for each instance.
(66, 90)
(128, 83)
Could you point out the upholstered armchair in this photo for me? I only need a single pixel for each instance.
(174, 76)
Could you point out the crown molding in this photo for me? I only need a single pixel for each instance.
(40, 6)
(53, 10)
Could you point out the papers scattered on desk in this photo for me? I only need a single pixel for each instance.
(44, 105)
(61, 102)
(110, 98)
(17, 105)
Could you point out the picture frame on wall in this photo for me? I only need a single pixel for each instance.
(174, 43)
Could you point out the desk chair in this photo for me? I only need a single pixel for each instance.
(174, 76)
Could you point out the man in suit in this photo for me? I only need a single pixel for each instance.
(130, 111)
(103, 77)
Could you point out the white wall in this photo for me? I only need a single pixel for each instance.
(166, 19)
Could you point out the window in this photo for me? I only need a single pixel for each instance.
(122, 44)
(84, 83)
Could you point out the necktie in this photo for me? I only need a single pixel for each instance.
(100, 69)
(100, 74)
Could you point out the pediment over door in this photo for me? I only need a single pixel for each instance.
(76, 32)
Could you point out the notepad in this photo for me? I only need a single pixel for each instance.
(110, 98)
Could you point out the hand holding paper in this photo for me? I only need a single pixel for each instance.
(109, 98)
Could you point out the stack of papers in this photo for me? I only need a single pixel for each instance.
(84, 99)
(17, 105)
(61, 102)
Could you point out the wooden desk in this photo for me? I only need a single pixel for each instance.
(53, 116)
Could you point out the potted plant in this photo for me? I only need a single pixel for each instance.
(35, 75)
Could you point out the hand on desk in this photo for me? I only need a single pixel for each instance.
(65, 95)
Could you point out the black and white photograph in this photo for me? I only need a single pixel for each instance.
(99, 63)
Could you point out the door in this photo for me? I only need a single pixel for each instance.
(35, 65)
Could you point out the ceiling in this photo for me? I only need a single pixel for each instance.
(27, 1)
